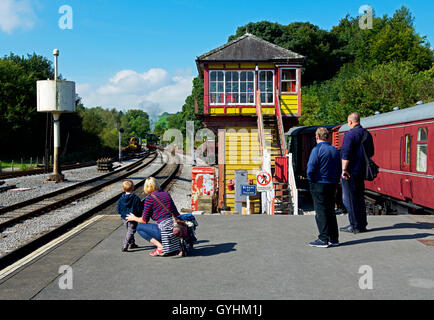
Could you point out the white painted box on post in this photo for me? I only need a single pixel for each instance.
(56, 96)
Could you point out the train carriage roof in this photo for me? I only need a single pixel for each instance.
(306, 129)
(419, 112)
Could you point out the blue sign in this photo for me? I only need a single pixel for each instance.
(248, 190)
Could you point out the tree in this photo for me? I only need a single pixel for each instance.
(138, 123)
(23, 128)
(391, 39)
(321, 48)
(366, 91)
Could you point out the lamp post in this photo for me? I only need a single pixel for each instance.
(121, 130)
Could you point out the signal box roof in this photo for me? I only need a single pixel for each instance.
(249, 48)
(419, 112)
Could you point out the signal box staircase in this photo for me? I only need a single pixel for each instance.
(272, 138)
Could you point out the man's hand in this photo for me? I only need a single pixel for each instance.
(345, 175)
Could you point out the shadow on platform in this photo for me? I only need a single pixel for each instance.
(417, 225)
(198, 250)
(387, 238)
(142, 248)
(212, 249)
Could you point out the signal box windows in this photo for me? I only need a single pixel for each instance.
(232, 87)
(288, 81)
(266, 85)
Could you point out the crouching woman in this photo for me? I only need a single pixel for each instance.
(159, 207)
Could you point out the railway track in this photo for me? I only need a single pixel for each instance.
(31, 172)
(164, 174)
(379, 204)
(16, 174)
(35, 206)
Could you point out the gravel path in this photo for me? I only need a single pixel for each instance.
(38, 187)
(26, 231)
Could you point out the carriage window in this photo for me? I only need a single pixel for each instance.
(422, 148)
(421, 157)
(422, 134)
(407, 149)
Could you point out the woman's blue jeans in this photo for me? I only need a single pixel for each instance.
(149, 231)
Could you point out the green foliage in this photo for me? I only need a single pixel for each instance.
(138, 123)
(391, 39)
(18, 115)
(322, 48)
(365, 91)
(105, 125)
(352, 69)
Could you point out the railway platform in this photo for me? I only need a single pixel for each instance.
(236, 257)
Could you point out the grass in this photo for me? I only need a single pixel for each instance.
(18, 166)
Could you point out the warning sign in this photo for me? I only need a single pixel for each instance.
(264, 181)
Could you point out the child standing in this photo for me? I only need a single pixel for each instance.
(129, 203)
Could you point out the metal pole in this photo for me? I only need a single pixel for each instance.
(121, 130)
(56, 67)
(57, 175)
(56, 166)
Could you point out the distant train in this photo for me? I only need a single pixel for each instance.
(151, 141)
(404, 150)
(133, 146)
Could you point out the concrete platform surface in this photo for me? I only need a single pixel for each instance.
(239, 257)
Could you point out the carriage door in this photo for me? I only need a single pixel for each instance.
(406, 151)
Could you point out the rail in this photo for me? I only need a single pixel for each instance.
(45, 238)
(47, 202)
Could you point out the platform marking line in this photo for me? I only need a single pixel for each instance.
(27, 259)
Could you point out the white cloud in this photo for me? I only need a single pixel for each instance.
(129, 81)
(154, 91)
(16, 14)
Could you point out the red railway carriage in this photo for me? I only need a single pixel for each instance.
(404, 151)
(301, 141)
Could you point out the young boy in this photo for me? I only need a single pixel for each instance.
(129, 203)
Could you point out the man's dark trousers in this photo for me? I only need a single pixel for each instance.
(323, 195)
(353, 197)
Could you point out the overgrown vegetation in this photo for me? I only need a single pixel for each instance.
(349, 69)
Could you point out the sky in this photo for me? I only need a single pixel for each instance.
(140, 54)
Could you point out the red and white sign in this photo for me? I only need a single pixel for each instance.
(264, 181)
